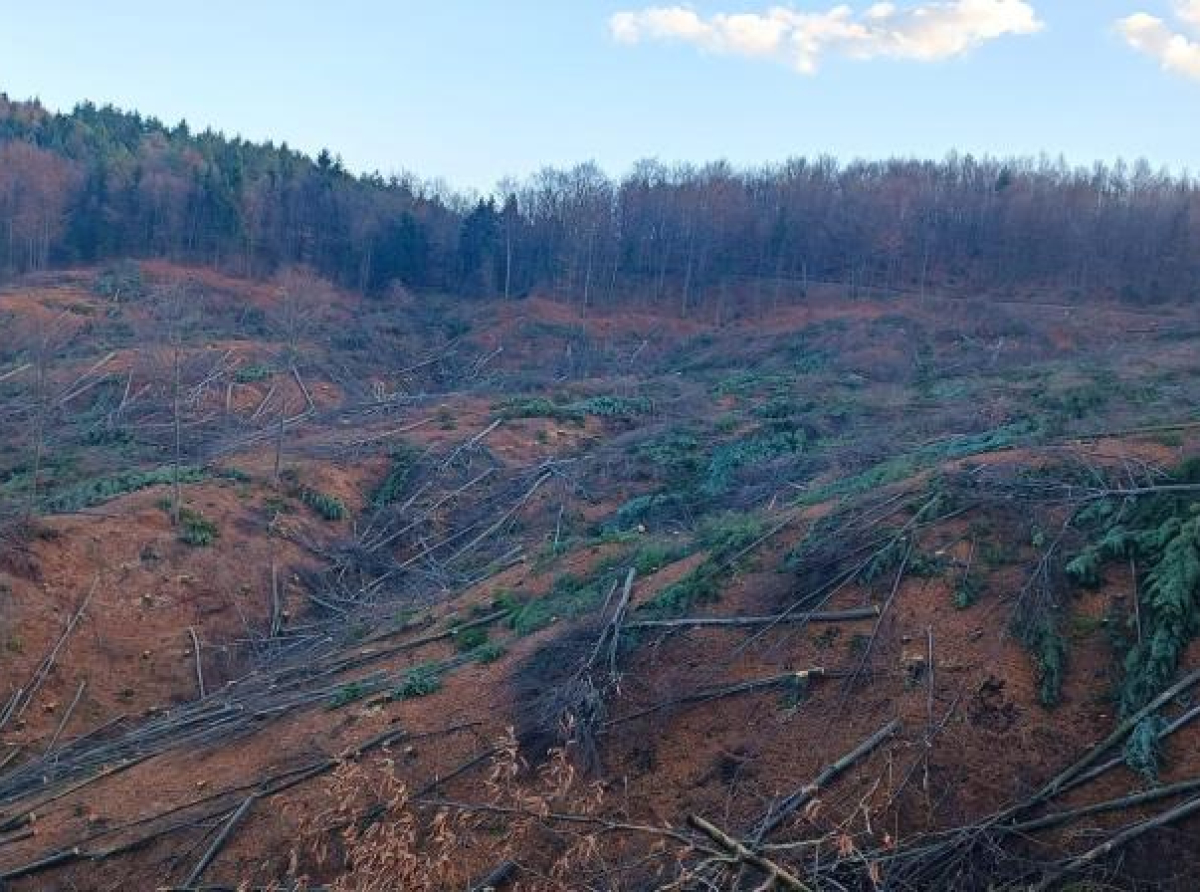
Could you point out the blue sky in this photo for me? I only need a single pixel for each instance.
(471, 90)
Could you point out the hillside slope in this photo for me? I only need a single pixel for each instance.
(300, 587)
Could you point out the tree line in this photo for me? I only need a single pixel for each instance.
(99, 183)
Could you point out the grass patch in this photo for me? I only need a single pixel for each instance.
(105, 489)
(615, 406)
(540, 407)
(651, 558)
(248, 374)
(726, 538)
(569, 597)
(196, 530)
(597, 406)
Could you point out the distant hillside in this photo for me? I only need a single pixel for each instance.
(100, 183)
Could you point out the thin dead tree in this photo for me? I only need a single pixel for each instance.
(43, 340)
(169, 331)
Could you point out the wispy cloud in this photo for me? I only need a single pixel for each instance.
(924, 32)
(1174, 50)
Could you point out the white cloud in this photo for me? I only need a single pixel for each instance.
(1189, 11)
(925, 32)
(1174, 50)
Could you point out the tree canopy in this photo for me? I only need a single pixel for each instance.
(99, 183)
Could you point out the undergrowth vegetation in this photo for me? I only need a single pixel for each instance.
(195, 529)
(402, 465)
(576, 412)
(328, 507)
(96, 492)
(1159, 536)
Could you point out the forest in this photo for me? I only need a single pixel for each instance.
(99, 184)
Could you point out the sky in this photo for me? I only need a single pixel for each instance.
(471, 91)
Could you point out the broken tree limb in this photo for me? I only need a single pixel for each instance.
(609, 639)
(304, 390)
(12, 754)
(266, 788)
(1117, 761)
(55, 860)
(802, 796)
(604, 825)
(66, 717)
(25, 815)
(865, 659)
(199, 664)
(745, 687)
(1178, 813)
(219, 843)
(471, 443)
(496, 878)
(25, 696)
(1063, 778)
(263, 405)
(12, 373)
(276, 601)
(503, 519)
(776, 875)
(1132, 801)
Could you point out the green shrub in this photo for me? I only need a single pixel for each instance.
(884, 561)
(727, 535)
(329, 507)
(1045, 640)
(674, 456)
(419, 681)
(599, 406)
(728, 458)
(1077, 402)
(488, 652)
(746, 383)
(237, 475)
(643, 509)
(403, 462)
(196, 530)
(350, 693)
(968, 591)
(616, 406)
(470, 639)
(1143, 749)
(1162, 534)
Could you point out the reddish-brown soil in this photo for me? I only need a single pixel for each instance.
(974, 736)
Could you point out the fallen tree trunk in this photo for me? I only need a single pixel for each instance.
(775, 873)
(219, 843)
(1178, 813)
(744, 622)
(802, 796)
